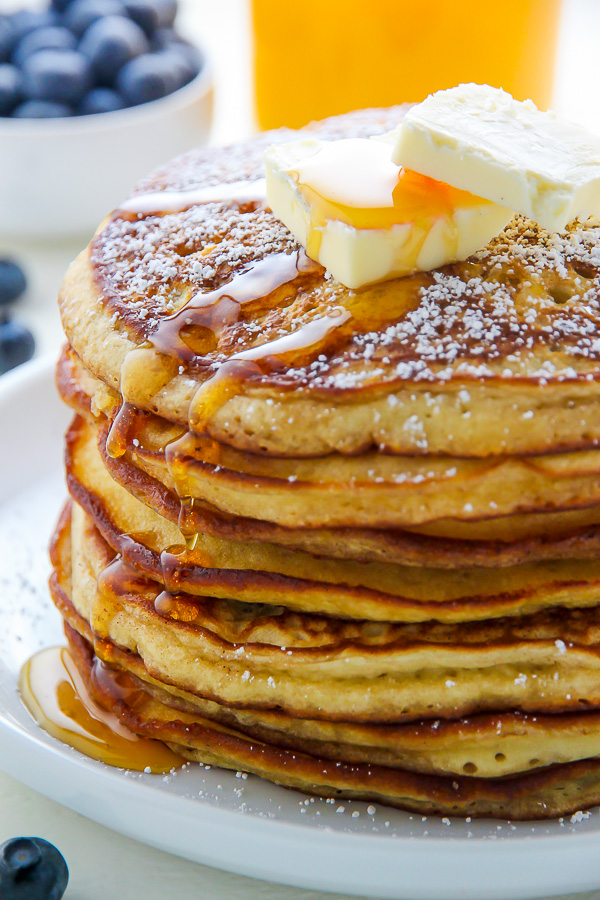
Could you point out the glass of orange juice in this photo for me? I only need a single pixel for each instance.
(317, 58)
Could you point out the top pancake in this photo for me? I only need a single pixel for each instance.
(495, 355)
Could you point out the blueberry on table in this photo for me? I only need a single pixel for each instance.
(20, 854)
(13, 283)
(110, 43)
(81, 14)
(17, 345)
(11, 88)
(42, 109)
(62, 76)
(32, 869)
(52, 38)
(100, 100)
(148, 77)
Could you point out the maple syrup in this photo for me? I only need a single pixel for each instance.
(177, 608)
(163, 202)
(117, 439)
(55, 694)
(268, 357)
(180, 336)
(192, 334)
(119, 577)
(213, 311)
(179, 565)
(228, 381)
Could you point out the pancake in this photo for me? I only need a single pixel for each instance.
(372, 490)
(201, 735)
(494, 355)
(554, 791)
(264, 573)
(345, 540)
(247, 655)
(499, 541)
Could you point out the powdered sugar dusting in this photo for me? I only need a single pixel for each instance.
(526, 306)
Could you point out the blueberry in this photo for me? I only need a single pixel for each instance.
(20, 854)
(82, 13)
(144, 13)
(11, 88)
(110, 43)
(101, 100)
(62, 76)
(6, 38)
(13, 283)
(60, 6)
(17, 345)
(185, 61)
(167, 10)
(162, 37)
(31, 868)
(54, 38)
(146, 78)
(25, 21)
(42, 109)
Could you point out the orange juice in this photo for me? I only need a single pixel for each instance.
(317, 58)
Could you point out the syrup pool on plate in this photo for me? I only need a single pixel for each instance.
(55, 694)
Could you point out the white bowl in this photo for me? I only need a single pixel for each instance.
(60, 177)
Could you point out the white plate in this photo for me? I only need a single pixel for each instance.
(209, 815)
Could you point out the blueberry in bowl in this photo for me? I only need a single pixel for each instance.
(110, 43)
(75, 46)
(79, 15)
(93, 95)
(52, 37)
(59, 76)
(31, 868)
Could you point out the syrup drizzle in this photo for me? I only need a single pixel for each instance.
(162, 202)
(215, 310)
(269, 357)
(227, 382)
(119, 578)
(177, 608)
(196, 327)
(190, 334)
(178, 566)
(55, 694)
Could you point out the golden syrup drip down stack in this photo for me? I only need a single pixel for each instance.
(347, 541)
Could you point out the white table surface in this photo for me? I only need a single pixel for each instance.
(135, 871)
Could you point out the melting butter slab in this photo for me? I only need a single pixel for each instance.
(366, 219)
(480, 139)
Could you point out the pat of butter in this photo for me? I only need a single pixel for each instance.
(364, 218)
(480, 139)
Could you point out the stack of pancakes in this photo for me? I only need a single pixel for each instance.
(346, 540)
